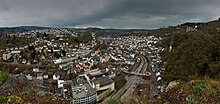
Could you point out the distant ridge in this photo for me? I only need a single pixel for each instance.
(8, 30)
(192, 24)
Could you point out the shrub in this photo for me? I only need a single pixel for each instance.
(41, 93)
(23, 94)
(198, 88)
(3, 76)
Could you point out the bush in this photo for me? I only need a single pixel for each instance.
(2, 98)
(190, 100)
(23, 94)
(41, 93)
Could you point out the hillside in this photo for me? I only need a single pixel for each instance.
(191, 56)
(193, 92)
(194, 53)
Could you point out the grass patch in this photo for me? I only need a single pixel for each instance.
(119, 81)
(13, 98)
(51, 70)
(114, 101)
(198, 88)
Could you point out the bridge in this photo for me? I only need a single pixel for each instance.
(140, 74)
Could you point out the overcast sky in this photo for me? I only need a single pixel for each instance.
(144, 14)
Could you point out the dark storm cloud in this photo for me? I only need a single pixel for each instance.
(106, 13)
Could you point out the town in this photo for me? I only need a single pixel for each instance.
(97, 70)
(109, 52)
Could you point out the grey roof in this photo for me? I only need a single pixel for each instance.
(82, 90)
(103, 81)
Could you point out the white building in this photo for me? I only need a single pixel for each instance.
(6, 56)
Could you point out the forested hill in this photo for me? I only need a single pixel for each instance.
(195, 50)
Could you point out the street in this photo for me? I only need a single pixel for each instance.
(132, 80)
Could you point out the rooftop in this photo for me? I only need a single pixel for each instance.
(103, 81)
(82, 90)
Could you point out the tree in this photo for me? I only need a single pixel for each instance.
(63, 52)
(204, 70)
(215, 54)
(57, 55)
(31, 48)
(3, 76)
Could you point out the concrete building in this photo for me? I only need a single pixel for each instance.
(83, 94)
(79, 92)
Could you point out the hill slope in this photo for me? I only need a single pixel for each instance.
(193, 92)
(194, 53)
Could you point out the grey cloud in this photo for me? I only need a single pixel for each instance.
(3, 7)
(106, 13)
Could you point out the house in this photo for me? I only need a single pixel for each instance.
(29, 77)
(159, 78)
(60, 83)
(158, 74)
(56, 76)
(40, 76)
(6, 55)
(35, 70)
(45, 75)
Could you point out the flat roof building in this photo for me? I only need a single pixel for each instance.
(84, 94)
(79, 92)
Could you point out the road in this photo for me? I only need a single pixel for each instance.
(135, 79)
(132, 81)
(142, 72)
